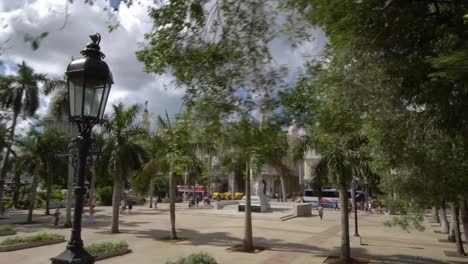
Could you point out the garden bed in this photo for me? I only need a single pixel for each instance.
(106, 250)
(7, 231)
(22, 242)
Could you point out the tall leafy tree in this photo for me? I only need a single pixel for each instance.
(20, 95)
(39, 158)
(124, 150)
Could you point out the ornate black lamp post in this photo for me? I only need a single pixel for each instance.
(89, 83)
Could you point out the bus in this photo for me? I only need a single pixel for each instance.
(330, 197)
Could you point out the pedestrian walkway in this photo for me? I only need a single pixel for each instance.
(300, 240)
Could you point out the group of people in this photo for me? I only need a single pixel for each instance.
(126, 203)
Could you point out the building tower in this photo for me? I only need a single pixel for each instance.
(146, 123)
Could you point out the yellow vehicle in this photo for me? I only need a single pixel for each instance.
(238, 195)
(227, 196)
(215, 195)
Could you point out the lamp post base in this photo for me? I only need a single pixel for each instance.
(73, 256)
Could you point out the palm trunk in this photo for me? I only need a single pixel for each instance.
(248, 238)
(345, 255)
(32, 199)
(444, 225)
(49, 188)
(151, 190)
(6, 157)
(451, 234)
(464, 217)
(92, 187)
(233, 189)
(16, 191)
(117, 196)
(435, 215)
(172, 195)
(456, 228)
(283, 189)
(71, 174)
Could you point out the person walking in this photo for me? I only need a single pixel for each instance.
(130, 206)
(122, 206)
(56, 216)
(92, 212)
(320, 212)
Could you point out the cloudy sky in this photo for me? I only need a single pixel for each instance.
(68, 34)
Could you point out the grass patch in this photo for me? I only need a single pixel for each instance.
(5, 228)
(198, 258)
(96, 249)
(28, 239)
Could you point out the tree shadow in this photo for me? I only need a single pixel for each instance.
(226, 240)
(393, 259)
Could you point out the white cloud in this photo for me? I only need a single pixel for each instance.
(132, 84)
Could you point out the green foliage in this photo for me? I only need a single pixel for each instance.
(97, 249)
(56, 195)
(198, 258)
(105, 195)
(5, 228)
(411, 216)
(28, 239)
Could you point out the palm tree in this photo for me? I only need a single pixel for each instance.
(124, 151)
(339, 164)
(20, 94)
(245, 141)
(177, 153)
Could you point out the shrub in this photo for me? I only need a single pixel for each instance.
(4, 228)
(198, 258)
(105, 195)
(29, 239)
(56, 195)
(96, 249)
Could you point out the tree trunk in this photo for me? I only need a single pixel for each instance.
(464, 217)
(248, 238)
(49, 188)
(435, 215)
(444, 224)
(92, 187)
(283, 189)
(456, 228)
(345, 255)
(71, 176)
(233, 189)
(32, 199)
(16, 191)
(451, 234)
(116, 198)
(6, 157)
(172, 197)
(151, 191)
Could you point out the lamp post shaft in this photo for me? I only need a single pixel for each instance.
(75, 252)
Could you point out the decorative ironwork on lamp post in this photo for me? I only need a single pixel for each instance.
(89, 81)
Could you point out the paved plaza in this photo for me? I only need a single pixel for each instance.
(299, 240)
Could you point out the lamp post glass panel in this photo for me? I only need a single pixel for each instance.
(89, 83)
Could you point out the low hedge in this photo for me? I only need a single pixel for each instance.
(96, 249)
(197, 258)
(28, 239)
(5, 228)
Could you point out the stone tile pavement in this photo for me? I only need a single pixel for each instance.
(300, 240)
